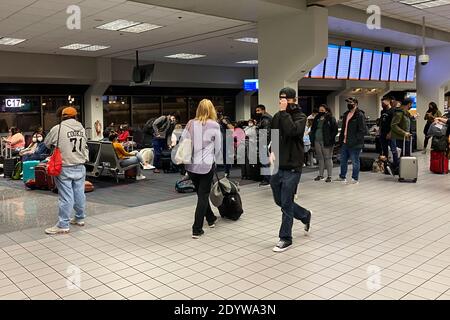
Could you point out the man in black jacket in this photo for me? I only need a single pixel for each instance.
(352, 139)
(264, 123)
(385, 129)
(290, 121)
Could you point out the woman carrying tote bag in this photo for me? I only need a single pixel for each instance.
(202, 135)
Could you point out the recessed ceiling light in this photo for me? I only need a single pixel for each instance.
(75, 46)
(250, 40)
(141, 28)
(118, 25)
(10, 41)
(185, 56)
(95, 48)
(248, 62)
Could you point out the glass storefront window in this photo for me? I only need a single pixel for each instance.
(174, 105)
(23, 112)
(144, 109)
(52, 104)
(116, 110)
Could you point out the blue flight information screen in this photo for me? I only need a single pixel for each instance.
(355, 64)
(332, 61)
(411, 68)
(366, 64)
(251, 84)
(395, 65)
(376, 65)
(403, 67)
(385, 66)
(317, 72)
(344, 63)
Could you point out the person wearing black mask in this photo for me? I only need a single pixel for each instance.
(290, 121)
(432, 113)
(352, 139)
(323, 136)
(386, 142)
(264, 123)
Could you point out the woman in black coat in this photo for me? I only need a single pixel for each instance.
(323, 137)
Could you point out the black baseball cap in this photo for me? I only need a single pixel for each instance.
(351, 100)
(407, 101)
(288, 93)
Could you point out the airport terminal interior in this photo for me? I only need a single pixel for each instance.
(119, 66)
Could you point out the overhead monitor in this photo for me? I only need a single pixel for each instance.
(376, 65)
(355, 64)
(395, 65)
(251, 84)
(344, 62)
(403, 67)
(411, 68)
(332, 61)
(366, 64)
(317, 72)
(385, 66)
(413, 97)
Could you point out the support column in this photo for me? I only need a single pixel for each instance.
(244, 105)
(289, 47)
(93, 103)
(333, 101)
(432, 80)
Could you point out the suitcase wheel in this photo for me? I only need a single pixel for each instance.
(415, 180)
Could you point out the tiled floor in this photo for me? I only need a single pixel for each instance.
(377, 240)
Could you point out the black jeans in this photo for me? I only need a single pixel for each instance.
(284, 186)
(203, 184)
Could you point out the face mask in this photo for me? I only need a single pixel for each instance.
(40, 138)
(34, 139)
(250, 124)
(321, 114)
(350, 106)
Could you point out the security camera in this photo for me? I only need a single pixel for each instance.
(424, 59)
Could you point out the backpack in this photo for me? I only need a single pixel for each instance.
(439, 143)
(230, 206)
(148, 127)
(184, 185)
(17, 171)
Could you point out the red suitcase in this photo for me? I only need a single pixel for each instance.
(42, 179)
(438, 162)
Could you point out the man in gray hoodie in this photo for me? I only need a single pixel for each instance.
(72, 142)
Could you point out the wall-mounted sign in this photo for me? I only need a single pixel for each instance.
(13, 103)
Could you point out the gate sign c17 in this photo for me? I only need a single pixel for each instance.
(13, 103)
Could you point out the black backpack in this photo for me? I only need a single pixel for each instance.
(439, 143)
(231, 207)
(148, 127)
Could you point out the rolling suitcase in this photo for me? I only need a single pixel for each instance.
(409, 167)
(42, 180)
(9, 163)
(438, 162)
(166, 162)
(28, 170)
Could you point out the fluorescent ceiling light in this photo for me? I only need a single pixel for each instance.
(75, 46)
(424, 4)
(248, 62)
(250, 40)
(412, 1)
(141, 28)
(95, 48)
(185, 56)
(10, 41)
(118, 25)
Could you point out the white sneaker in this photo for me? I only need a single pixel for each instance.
(141, 177)
(77, 222)
(354, 181)
(56, 230)
(149, 167)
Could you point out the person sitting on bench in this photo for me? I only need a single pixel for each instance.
(127, 158)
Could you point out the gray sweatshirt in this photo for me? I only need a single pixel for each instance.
(72, 142)
(160, 127)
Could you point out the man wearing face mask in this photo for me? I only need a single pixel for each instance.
(385, 129)
(290, 121)
(352, 139)
(264, 123)
(401, 127)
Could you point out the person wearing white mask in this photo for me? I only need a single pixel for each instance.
(38, 137)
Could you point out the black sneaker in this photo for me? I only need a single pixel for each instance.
(329, 179)
(197, 235)
(212, 224)
(308, 224)
(282, 245)
(264, 183)
(319, 178)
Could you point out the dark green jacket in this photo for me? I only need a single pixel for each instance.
(400, 123)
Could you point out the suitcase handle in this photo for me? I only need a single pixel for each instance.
(410, 145)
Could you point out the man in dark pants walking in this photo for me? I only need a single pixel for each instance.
(264, 122)
(290, 121)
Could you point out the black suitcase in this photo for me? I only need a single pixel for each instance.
(9, 165)
(166, 162)
(231, 207)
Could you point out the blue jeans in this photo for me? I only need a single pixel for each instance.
(284, 186)
(136, 159)
(158, 146)
(353, 154)
(70, 184)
